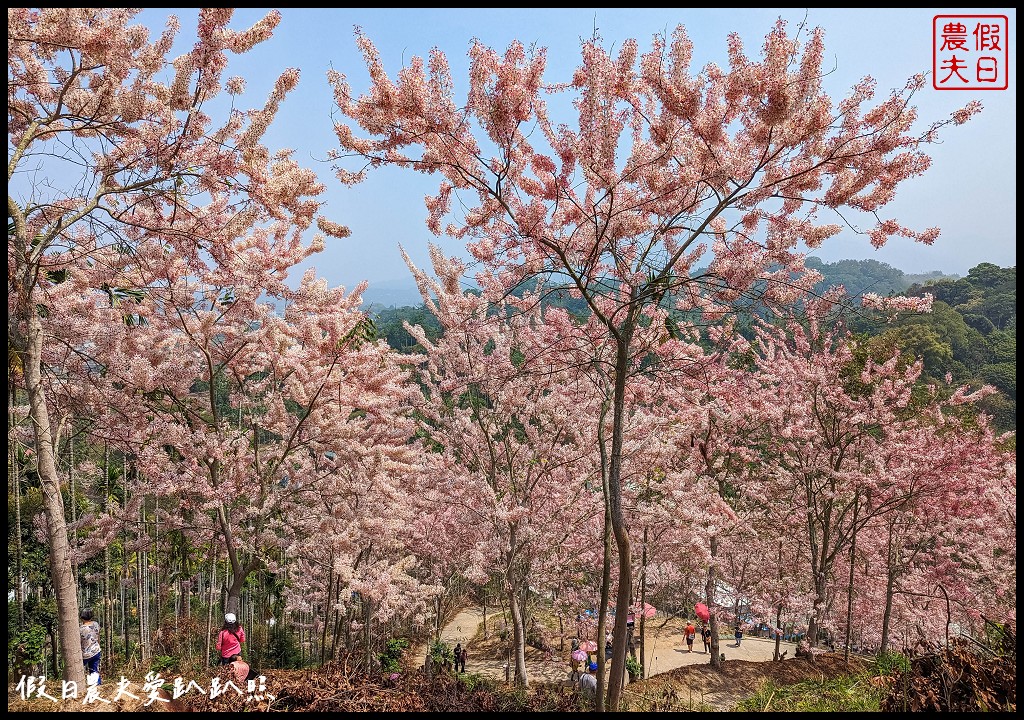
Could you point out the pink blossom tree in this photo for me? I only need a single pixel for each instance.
(714, 422)
(674, 187)
(112, 168)
(854, 447)
(281, 436)
(514, 440)
(946, 539)
(258, 430)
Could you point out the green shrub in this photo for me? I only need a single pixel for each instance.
(475, 681)
(163, 662)
(999, 638)
(633, 666)
(390, 659)
(25, 649)
(889, 663)
(441, 654)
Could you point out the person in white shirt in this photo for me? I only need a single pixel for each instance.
(588, 681)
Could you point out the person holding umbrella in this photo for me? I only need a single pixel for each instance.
(576, 659)
(588, 647)
(702, 612)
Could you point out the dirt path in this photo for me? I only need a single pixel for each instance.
(665, 650)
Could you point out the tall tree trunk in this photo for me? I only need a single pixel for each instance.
(327, 613)
(184, 590)
(617, 676)
(234, 596)
(813, 624)
(61, 575)
(368, 635)
(108, 606)
(73, 498)
(239, 570)
(643, 604)
(820, 581)
(849, 587)
(108, 596)
(778, 632)
(124, 606)
(606, 565)
(348, 620)
(778, 613)
(518, 634)
(158, 584)
(602, 615)
(140, 596)
(709, 595)
(890, 590)
(336, 631)
(19, 593)
(209, 608)
(124, 558)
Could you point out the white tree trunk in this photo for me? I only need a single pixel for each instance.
(61, 573)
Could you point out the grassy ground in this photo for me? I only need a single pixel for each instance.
(853, 693)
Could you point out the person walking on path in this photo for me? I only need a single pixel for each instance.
(738, 634)
(90, 632)
(691, 633)
(457, 655)
(462, 658)
(588, 682)
(230, 639)
(705, 633)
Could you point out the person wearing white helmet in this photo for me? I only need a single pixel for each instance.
(230, 639)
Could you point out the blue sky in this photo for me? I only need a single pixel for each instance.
(969, 192)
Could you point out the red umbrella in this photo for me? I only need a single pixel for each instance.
(588, 646)
(702, 612)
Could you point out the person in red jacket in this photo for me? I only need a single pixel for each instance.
(230, 639)
(691, 634)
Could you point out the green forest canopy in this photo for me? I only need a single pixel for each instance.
(971, 333)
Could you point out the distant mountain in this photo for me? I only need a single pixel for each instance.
(970, 334)
(870, 276)
(397, 292)
(858, 276)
